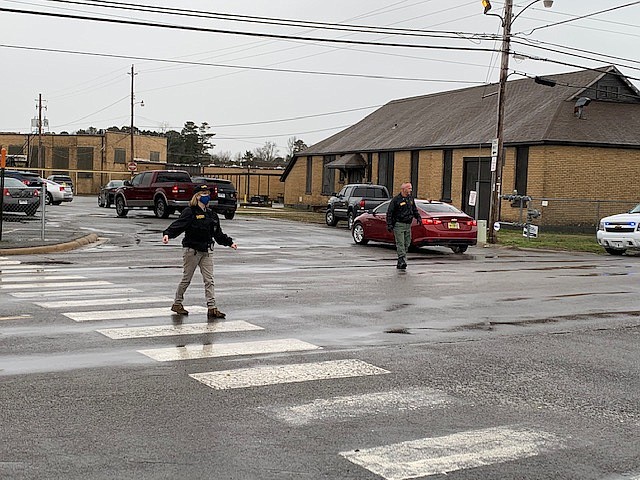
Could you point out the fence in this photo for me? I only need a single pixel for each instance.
(23, 215)
(565, 214)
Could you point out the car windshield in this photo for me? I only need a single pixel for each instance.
(635, 209)
(115, 183)
(430, 207)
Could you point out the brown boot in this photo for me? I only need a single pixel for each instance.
(215, 313)
(179, 309)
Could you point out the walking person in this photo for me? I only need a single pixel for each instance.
(400, 214)
(201, 227)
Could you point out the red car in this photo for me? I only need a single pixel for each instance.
(442, 224)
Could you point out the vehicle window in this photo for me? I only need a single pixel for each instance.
(382, 208)
(437, 207)
(343, 192)
(360, 192)
(174, 177)
(146, 179)
(137, 180)
(380, 193)
(11, 182)
(636, 209)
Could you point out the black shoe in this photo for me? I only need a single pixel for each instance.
(402, 264)
(179, 309)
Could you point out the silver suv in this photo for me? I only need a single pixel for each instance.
(619, 233)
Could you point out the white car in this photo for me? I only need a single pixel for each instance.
(56, 193)
(621, 232)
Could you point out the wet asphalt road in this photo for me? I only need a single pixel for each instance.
(491, 341)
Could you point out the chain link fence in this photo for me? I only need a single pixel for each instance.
(569, 215)
(23, 216)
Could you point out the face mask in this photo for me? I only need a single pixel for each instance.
(204, 199)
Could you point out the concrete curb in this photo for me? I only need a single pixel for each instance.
(58, 247)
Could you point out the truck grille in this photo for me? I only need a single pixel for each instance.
(620, 227)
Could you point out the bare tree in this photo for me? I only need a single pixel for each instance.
(267, 153)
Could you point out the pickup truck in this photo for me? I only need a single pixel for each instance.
(163, 191)
(352, 200)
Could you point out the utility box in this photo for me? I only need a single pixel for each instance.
(482, 232)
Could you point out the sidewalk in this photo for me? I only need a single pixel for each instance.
(56, 240)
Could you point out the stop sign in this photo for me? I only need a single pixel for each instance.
(132, 166)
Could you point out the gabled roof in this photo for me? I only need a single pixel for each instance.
(533, 114)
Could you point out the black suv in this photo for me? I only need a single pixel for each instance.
(224, 197)
(30, 179)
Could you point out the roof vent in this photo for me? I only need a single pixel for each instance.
(580, 104)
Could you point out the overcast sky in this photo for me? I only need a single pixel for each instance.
(253, 89)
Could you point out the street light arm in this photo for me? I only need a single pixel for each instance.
(534, 1)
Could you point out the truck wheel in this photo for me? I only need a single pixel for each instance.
(358, 234)
(229, 215)
(459, 249)
(121, 211)
(330, 218)
(160, 208)
(100, 201)
(350, 219)
(615, 251)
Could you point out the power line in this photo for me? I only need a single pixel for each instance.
(244, 67)
(235, 32)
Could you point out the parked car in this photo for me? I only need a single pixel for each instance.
(224, 197)
(56, 193)
(64, 180)
(29, 179)
(442, 224)
(621, 232)
(352, 200)
(107, 193)
(17, 197)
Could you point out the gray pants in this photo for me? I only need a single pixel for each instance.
(402, 234)
(191, 259)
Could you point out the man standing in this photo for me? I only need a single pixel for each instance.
(402, 210)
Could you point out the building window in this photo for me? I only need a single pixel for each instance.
(85, 161)
(154, 156)
(609, 92)
(309, 175)
(120, 155)
(60, 158)
(369, 168)
(522, 166)
(14, 150)
(415, 166)
(328, 176)
(447, 169)
(385, 170)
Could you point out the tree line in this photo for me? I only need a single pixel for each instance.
(192, 145)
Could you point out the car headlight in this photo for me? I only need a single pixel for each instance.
(601, 225)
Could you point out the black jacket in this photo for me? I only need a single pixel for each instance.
(200, 228)
(402, 209)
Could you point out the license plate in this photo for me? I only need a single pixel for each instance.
(22, 202)
(616, 244)
(454, 225)
(221, 195)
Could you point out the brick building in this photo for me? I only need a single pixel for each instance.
(556, 151)
(90, 160)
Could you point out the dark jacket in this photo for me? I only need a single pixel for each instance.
(200, 228)
(402, 209)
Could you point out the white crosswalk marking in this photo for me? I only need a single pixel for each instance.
(293, 373)
(119, 302)
(4, 261)
(127, 313)
(353, 406)
(16, 317)
(18, 267)
(106, 291)
(190, 352)
(40, 278)
(171, 330)
(440, 455)
(91, 283)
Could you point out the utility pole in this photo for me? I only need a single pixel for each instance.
(132, 151)
(40, 156)
(496, 170)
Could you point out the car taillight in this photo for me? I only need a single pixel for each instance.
(431, 221)
(362, 204)
(36, 193)
(6, 192)
(26, 182)
(174, 189)
(472, 223)
(215, 191)
(61, 188)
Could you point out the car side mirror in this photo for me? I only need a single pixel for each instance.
(127, 183)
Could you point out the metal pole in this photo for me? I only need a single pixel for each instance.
(496, 176)
(132, 153)
(40, 156)
(43, 193)
(3, 161)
